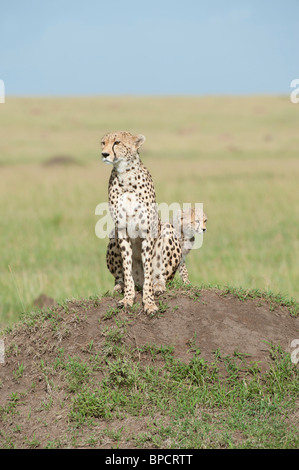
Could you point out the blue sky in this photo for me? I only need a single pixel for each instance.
(64, 47)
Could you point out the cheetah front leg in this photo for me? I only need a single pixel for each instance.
(114, 264)
(129, 286)
(159, 282)
(166, 259)
(147, 246)
(183, 272)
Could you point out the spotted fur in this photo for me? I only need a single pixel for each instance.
(132, 202)
(188, 223)
(169, 254)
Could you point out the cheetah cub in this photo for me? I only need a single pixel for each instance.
(175, 243)
(189, 223)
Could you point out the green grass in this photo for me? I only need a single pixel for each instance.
(187, 405)
(196, 407)
(239, 156)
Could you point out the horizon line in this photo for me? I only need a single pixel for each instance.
(145, 95)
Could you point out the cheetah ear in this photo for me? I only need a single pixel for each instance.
(139, 140)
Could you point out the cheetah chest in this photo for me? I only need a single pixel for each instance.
(133, 216)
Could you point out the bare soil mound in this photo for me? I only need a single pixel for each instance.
(213, 321)
(37, 388)
(58, 160)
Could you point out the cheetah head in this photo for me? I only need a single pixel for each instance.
(120, 147)
(191, 222)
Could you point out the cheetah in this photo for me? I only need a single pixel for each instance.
(188, 223)
(171, 248)
(132, 204)
(178, 241)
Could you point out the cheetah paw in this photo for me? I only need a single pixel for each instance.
(118, 288)
(159, 287)
(125, 303)
(150, 309)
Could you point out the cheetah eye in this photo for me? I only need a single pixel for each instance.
(117, 142)
(102, 143)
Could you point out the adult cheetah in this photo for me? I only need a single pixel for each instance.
(132, 203)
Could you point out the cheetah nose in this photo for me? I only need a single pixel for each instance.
(105, 154)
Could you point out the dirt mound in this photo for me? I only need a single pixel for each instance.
(58, 160)
(43, 301)
(50, 354)
(213, 321)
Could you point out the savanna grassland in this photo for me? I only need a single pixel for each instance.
(237, 155)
